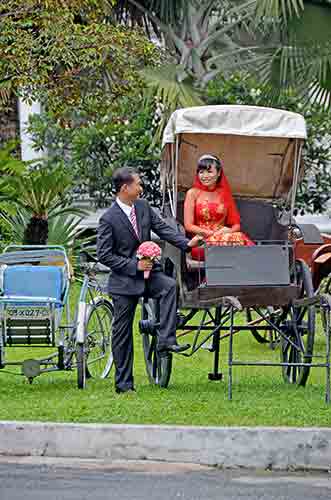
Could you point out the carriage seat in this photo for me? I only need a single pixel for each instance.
(259, 220)
(34, 281)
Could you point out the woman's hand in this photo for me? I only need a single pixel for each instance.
(206, 233)
(223, 230)
(195, 241)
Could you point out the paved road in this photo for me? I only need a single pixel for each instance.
(40, 479)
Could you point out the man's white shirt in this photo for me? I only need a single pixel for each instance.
(126, 208)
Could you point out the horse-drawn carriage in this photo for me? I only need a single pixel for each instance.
(265, 286)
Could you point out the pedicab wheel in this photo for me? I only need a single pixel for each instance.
(158, 367)
(299, 327)
(81, 366)
(98, 328)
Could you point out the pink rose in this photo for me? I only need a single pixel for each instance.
(149, 250)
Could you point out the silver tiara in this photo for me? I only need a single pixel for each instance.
(209, 157)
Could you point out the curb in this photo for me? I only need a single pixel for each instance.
(280, 448)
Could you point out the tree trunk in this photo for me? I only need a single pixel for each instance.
(36, 232)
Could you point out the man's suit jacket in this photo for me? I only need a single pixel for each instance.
(117, 245)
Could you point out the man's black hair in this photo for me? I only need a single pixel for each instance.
(122, 176)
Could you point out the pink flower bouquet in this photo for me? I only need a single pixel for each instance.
(149, 250)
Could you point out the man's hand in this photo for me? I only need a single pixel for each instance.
(196, 241)
(145, 265)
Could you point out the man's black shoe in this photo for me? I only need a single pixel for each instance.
(123, 391)
(174, 348)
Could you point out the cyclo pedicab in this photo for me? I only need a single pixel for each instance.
(261, 149)
(35, 313)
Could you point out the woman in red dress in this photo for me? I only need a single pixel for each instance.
(210, 210)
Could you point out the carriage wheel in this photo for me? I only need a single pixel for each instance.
(158, 367)
(98, 327)
(261, 338)
(299, 327)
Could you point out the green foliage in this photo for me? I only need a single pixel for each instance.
(65, 54)
(63, 230)
(301, 58)
(93, 149)
(30, 196)
(314, 189)
(174, 87)
(10, 167)
(5, 234)
(41, 191)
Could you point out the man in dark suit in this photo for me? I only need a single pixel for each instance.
(124, 226)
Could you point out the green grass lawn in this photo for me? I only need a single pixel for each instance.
(260, 396)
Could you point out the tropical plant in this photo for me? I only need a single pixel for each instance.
(203, 39)
(302, 59)
(287, 42)
(43, 194)
(63, 230)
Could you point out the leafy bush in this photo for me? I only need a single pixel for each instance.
(92, 150)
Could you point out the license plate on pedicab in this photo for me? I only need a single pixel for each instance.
(27, 312)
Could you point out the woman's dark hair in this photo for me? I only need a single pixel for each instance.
(205, 161)
(122, 176)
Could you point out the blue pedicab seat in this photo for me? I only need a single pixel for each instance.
(34, 285)
(34, 281)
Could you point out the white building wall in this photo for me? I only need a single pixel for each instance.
(25, 110)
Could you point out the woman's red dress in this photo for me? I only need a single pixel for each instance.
(214, 215)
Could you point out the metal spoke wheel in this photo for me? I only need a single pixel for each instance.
(158, 367)
(94, 357)
(299, 328)
(98, 328)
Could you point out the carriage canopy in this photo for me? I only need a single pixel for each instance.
(259, 147)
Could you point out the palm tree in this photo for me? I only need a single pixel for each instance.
(203, 37)
(202, 34)
(303, 58)
(206, 38)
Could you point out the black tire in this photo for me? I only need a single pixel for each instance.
(158, 367)
(81, 366)
(299, 327)
(98, 327)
